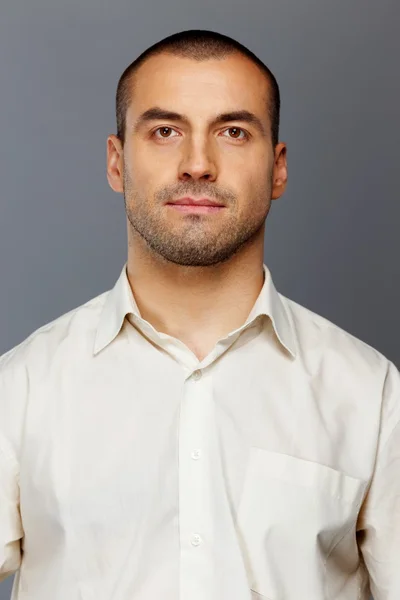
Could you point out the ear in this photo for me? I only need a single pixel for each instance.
(279, 175)
(115, 163)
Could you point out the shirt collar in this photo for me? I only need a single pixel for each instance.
(120, 302)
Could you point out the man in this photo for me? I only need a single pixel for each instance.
(192, 434)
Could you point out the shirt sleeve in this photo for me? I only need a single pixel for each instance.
(378, 528)
(11, 530)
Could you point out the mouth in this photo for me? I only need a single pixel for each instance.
(195, 208)
(192, 205)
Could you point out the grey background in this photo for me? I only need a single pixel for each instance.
(332, 241)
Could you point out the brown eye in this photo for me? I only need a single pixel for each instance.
(234, 133)
(164, 133)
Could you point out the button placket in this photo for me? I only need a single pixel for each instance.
(195, 510)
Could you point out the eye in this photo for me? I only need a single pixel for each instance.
(165, 133)
(236, 131)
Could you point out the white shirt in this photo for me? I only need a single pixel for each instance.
(129, 470)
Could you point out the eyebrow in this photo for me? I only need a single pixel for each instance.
(159, 114)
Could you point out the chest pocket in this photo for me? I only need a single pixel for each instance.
(291, 515)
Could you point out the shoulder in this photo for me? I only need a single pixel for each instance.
(72, 329)
(326, 344)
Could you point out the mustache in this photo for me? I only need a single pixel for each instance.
(202, 189)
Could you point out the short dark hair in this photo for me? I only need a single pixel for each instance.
(197, 44)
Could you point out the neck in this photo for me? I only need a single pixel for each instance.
(195, 303)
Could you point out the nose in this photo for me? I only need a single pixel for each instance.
(197, 161)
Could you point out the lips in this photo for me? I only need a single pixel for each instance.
(193, 202)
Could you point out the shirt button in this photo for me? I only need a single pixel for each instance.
(197, 375)
(196, 454)
(196, 539)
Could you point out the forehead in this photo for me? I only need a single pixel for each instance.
(199, 87)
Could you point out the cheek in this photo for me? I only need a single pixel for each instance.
(252, 165)
(156, 166)
(256, 193)
(255, 182)
(260, 176)
(139, 172)
(137, 160)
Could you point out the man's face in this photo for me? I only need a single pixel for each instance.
(198, 155)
